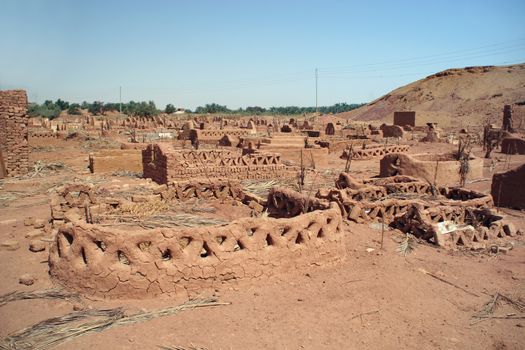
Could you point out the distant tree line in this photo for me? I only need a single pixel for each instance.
(288, 110)
(51, 110)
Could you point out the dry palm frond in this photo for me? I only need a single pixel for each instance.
(408, 245)
(41, 168)
(57, 330)
(184, 220)
(258, 187)
(191, 347)
(142, 209)
(54, 331)
(487, 312)
(126, 173)
(37, 294)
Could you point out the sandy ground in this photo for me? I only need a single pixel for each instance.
(376, 299)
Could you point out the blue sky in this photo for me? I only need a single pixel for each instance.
(246, 53)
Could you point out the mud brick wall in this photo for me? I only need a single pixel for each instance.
(384, 199)
(284, 202)
(214, 135)
(116, 160)
(393, 131)
(471, 227)
(372, 152)
(513, 145)
(405, 118)
(163, 164)
(443, 169)
(110, 263)
(209, 189)
(14, 133)
(508, 188)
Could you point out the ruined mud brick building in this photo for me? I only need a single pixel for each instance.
(395, 131)
(508, 188)
(162, 164)
(109, 161)
(405, 118)
(513, 145)
(14, 148)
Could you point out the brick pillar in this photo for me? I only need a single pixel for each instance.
(13, 133)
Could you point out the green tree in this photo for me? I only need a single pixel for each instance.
(47, 110)
(63, 105)
(74, 109)
(96, 108)
(170, 109)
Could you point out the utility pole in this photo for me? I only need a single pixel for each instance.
(120, 99)
(316, 106)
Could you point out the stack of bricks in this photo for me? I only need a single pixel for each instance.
(14, 133)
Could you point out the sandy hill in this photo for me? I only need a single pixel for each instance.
(459, 97)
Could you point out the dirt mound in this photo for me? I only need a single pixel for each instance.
(468, 95)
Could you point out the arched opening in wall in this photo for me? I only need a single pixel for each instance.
(269, 240)
(144, 246)
(285, 230)
(205, 251)
(220, 239)
(460, 241)
(320, 234)
(299, 239)
(68, 237)
(238, 246)
(166, 255)
(250, 231)
(185, 241)
(83, 254)
(122, 258)
(100, 245)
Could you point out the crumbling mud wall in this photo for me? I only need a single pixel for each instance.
(513, 145)
(14, 147)
(383, 201)
(405, 118)
(374, 151)
(162, 164)
(76, 201)
(441, 169)
(453, 227)
(215, 135)
(284, 202)
(508, 188)
(447, 216)
(393, 131)
(110, 263)
(109, 161)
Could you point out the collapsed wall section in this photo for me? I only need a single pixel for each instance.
(14, 147)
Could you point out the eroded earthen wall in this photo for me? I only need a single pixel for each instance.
(405, 118)
(163, 164)
(144, 263)
(508, 188)
(14, 133)
(441, 171)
